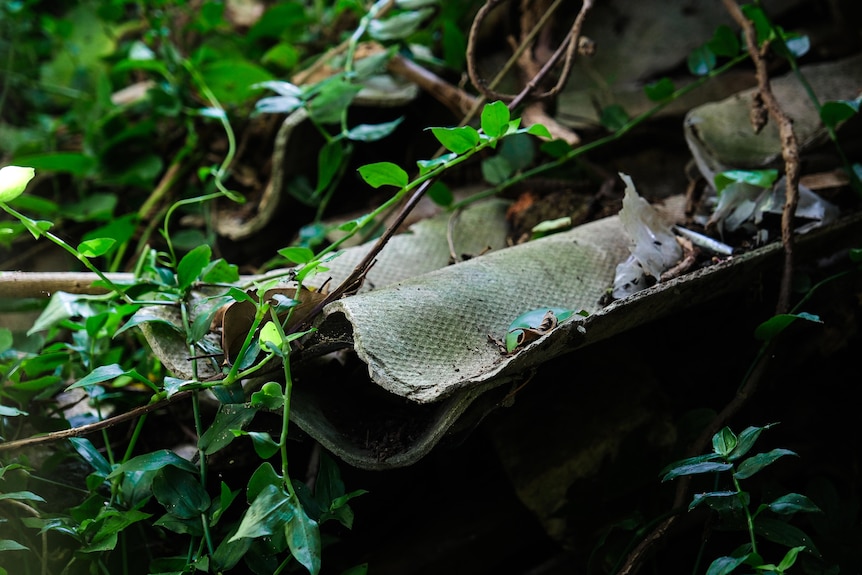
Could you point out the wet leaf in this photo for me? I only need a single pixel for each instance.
(270, 511)
(153, 461)
(218, 435)
(757, 462)
(696, 469)
(792, 503)
(180, 493)
(720, 501)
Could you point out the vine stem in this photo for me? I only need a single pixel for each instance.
(748, 518)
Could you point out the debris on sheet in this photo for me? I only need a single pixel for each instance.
(652, 244)
(743, 206)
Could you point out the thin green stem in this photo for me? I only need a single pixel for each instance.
(56, 240)
(136, 433)
(748, 517)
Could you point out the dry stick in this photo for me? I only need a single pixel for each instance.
(92, 427)
(789, 148)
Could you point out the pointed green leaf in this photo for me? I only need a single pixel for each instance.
(540, 131)
(697, 468)
(193, 263)
(263, 476)
(303, 538)
(296, 254)
(457, 140)
(153, 461)
(760, 178)
(426, 166)
(218, 435)
(13, 182)
(96, 247)
(91, 455)
(264, 445)
(757, 462)
(725, 565)
(180, 493)
(790, 558)
(746, 441)
(21, 496)
(384, 174)
(778, 323)
(783, 533)
(833, 113)
(11, 545)
(373, 132)
(440, 194)
(793, 502)
(270, 511)
(719, 500)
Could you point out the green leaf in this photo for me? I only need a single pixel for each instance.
(659, 90)
(329, 160)
(75, 163)
(372, 132)
(701, 61)
(724, 42)
(13, 182)
(264, 445)
(297, 255)
(540, 131)
(151, 462)
(303, 538)
(218, 435)
(457, 140)
(614, 117)
(179, 525)
(792, 503)
(495, 119)
(270, 396)
(6, 339)
(778, 323)
(757, 462)
(226, 498)
(21, 496)
(834, 112)
(789, 558)
(746, 440)
(180, 493)
(11, 545)
(263, 476)
(270, 511)
(721, 501)
(696, 469)
(440, 194)
(426, 166)
(725, 565)
(398, 26)
(95, 248)
(232, 80)
(8, 411)
(193, 263)
(496, 170)
(724, 441)
(556, 148)
(333, 100)
(760, 178)
(384, 174)
(91, 455)
(761, 22)
(783, 533)
(219, 271)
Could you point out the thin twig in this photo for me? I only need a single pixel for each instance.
(93, 427)
(789, 146)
